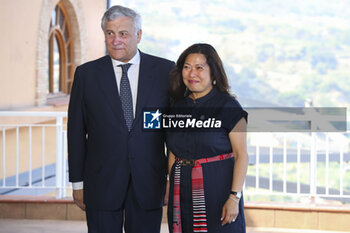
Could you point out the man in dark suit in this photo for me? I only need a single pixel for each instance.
(117, 169)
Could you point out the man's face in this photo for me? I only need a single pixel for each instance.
(121, 38)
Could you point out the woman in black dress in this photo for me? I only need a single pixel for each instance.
(207, 166)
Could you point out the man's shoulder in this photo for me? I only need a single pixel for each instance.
(156, 59)
(94, 63)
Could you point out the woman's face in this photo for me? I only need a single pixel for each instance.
(196, 75)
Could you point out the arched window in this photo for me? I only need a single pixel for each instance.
(60, 53)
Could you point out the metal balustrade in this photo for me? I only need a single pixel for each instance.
(51, 172)
(301, 165)
(33, 159)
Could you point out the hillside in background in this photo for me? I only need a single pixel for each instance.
(280, 52)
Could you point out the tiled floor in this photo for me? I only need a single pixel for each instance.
(57, 226)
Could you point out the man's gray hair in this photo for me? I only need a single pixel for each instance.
(117, 11)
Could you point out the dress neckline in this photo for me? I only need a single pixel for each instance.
(202, 99)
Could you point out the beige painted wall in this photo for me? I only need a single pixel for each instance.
(93, 12)
(19, 21)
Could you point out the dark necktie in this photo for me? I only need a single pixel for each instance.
(125, 96)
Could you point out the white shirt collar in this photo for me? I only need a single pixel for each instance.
(135, 60)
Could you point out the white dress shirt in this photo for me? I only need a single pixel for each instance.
(133, 75)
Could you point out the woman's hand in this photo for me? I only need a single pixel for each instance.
(166, 196)
(230, 210)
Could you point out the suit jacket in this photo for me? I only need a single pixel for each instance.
(101, 151)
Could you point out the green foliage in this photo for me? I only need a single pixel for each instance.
(294, 97)
(323, 60)
(286, 51)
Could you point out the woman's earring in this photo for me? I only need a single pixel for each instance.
(214, 82)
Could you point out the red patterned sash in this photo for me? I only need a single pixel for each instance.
(198, 195)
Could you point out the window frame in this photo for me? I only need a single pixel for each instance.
(60, 30)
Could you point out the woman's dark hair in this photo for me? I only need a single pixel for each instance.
(217, 72)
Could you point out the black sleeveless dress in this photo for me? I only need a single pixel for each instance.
(205, 143)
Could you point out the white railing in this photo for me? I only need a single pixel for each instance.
(299, 164)
(33, 157)
(20, 134)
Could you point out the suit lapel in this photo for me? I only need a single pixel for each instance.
(145, 85)
(107, 83)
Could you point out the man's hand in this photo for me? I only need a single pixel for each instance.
(78, 196)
